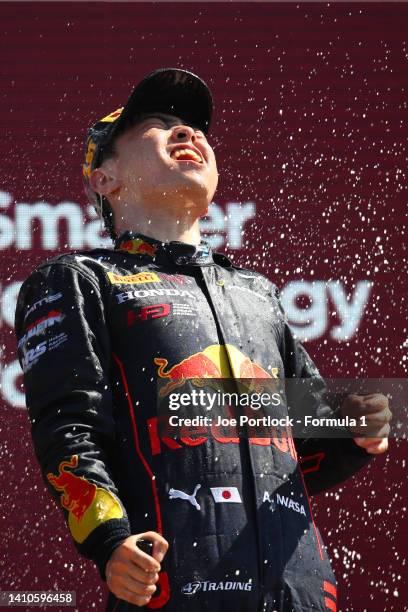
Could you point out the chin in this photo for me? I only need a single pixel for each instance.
(194, 191)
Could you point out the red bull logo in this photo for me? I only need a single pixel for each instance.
(88, 505)
(138, 246)
(194, 367)
(216, 361)
(78, 493)
(250, 369)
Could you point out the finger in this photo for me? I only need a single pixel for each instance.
(373, 440)
(137, 573)
(377, 430)
(366, 404)
(384, 416)
(367, 395)
(160, 545)
(145, 562)
(382, 431)
(118, 568)
(136, 587)
(159, 550)
(364, 442)
(377, 449)
(130, 597)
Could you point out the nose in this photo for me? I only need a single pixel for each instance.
(183, 133)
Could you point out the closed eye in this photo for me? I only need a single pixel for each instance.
(169, 122)
(163, 122)
(154, 122)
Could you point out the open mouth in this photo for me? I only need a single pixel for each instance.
(186, 155)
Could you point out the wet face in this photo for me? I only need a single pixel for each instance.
(162, 160)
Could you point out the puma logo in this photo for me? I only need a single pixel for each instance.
(176, 494)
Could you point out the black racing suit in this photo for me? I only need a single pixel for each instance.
(96, 330)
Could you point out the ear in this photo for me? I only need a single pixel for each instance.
(103, 180)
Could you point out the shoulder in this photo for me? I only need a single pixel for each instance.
(81, 260)
(62, 275)
(92, 265)
(262, 282)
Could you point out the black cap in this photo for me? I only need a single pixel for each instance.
(168, 90)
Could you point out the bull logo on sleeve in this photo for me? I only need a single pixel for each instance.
(88, 505)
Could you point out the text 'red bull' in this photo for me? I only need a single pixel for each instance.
(209, 365)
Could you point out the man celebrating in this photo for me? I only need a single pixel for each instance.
(229, 518)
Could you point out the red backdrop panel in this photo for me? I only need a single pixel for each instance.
(310, 133)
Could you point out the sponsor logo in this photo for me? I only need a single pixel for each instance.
(176, 494)
(56, 341)
(227, 495)
(282, 500)
(90, 152)
(184, 310)
(45, 300)
(32, 356)
(155, 311)
(126, 296)
(78, 492)
(161, 443)
(133, 279)
(191, 588)
(113, 116)
(176, 278)
(138, 247)
(88, 505)
(215, 361)
(40, 325)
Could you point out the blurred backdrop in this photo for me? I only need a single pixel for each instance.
(310, 134)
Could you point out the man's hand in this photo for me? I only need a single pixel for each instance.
(131, 574)
(374, 407)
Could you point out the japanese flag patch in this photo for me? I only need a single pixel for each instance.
(226, 495)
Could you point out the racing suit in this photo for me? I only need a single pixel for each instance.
(96, 330)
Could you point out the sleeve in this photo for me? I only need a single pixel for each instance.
(325, 461)
(64, 351)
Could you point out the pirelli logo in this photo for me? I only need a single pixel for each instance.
(133, 279)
